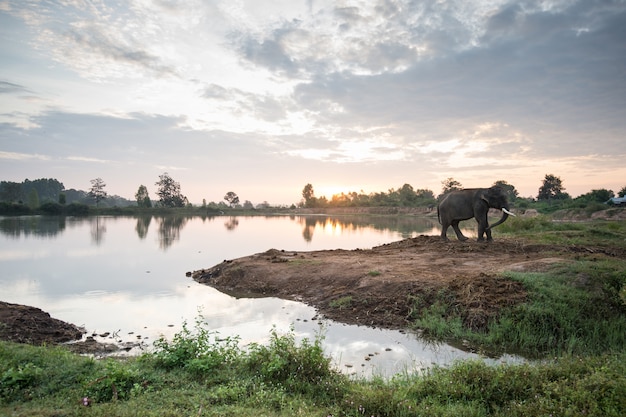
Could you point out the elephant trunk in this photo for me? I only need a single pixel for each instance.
(505, 215)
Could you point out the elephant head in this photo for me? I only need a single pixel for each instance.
(496, 198)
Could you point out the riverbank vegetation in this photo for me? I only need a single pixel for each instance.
(573, 325)
(49, 197)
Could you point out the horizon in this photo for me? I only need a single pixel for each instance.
(316, 193)
(262, 97)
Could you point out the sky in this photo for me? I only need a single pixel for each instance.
(263, 97)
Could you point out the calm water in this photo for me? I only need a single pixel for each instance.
(126, 276)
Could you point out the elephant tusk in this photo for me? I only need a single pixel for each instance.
(508, 212)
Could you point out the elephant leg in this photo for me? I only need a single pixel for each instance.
(459, 235)
(444, 230)
(483, 228)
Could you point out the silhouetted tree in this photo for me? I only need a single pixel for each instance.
(10, 191)
(169, 192)
(622, 192)
(231, 198)
(33, 199)
(447, 185)
(309, 196)
(552, 189)
(142, 197)
(97, 190)
(509, 190)
(597, 196)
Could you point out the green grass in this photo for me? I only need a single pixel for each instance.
(285, 379)
(576, 308)
(542, 229)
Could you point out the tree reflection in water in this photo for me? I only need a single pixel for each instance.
(143, 224)
(169, 230)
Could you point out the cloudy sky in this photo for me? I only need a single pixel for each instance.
(262, 97)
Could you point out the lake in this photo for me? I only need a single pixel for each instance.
(126, 276)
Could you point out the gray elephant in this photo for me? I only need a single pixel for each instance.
(472, 202)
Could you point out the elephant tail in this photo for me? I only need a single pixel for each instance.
(438, 215)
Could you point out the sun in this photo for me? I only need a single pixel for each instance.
(329, 191)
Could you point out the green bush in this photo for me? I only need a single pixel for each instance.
(54, 209)
(16, 382)
(117, 381)
(297, 369)
(198, 351)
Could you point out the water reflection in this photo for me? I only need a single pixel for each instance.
(407, 226)
(143, 224)
(124, 275)
(98, 229)
(231, 223)
(169, 229)
(170, 226)
(43, 226)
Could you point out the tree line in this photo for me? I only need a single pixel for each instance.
(551, 193)
(50, 196)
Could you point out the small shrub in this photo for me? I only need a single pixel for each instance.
(341, 303)
(297, 369)
(197, 351)
(118, 381)
(15, 382)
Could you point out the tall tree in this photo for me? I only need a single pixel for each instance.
(142, 197)
(169, 192)
(509, 190)
(33, 199)
(551, 189)
(447, 185)
(10, 191)
(407, 195)
(97, 190)
(231, 198)
(309, 195)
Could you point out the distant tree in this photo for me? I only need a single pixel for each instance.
(231, 198)
(407, 195)
(447, 185)
(142, 197)
(248, 205)
(10, 191)
(33, 199)
(597, 196)
(552, 189)
(169, 192)
(62, 199)
(263, 205)
(48, 189)
(622, 192)
(309, 196)
(509, 190)
(97, 190)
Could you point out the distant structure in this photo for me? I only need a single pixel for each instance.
(618, 201)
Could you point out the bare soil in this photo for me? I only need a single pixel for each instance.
(379, 286)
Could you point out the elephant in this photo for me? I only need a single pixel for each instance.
(464, 204)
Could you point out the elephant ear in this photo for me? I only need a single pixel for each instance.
(484, 197)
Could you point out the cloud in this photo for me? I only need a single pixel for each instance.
(22, 156)
(87, 159)
(11, 88)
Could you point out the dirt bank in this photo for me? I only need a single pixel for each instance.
(379, 286)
